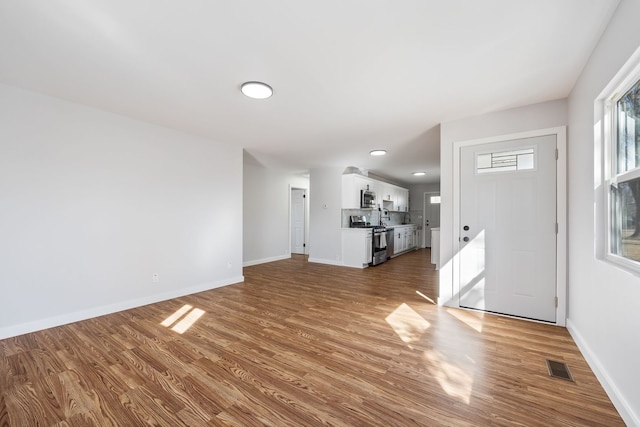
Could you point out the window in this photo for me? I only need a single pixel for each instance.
(503, 161)
(624, 176)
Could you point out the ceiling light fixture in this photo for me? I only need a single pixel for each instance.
(419, 173)
(256, 90)
(378, 152)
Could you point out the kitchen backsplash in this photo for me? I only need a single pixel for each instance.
(388, 218)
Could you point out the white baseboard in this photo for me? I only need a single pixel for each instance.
(626, 412)
(326, 261)
(265, 260)
(63, 319)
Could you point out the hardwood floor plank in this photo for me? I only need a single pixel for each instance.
(73, 393)
(31, 404)
(148, 409)
(302, 344)
(4, 411)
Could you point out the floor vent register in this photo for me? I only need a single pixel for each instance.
(559, 370)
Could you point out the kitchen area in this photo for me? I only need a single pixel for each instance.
(376, 223)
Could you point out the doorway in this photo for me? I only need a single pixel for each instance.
(431, 217)
(298, 223)
(510, 257)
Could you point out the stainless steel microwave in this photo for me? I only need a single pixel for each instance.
(367, 199)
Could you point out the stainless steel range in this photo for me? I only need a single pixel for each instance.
(379, 241)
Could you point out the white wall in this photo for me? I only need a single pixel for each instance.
(266, 211)
(532, 117)
(416, 194)
(92, 204)
(325, 216)
(603, 300)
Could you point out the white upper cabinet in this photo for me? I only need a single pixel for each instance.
(388, 196)
(376, 187)
(352, 184)
(402, 200)
(388, 192)
(395, 198)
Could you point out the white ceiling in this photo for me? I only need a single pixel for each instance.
(349, 75)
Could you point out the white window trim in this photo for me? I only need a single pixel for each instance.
(628, 75)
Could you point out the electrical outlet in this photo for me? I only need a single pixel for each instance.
(155, 278)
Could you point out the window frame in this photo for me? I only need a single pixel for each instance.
(612, 178)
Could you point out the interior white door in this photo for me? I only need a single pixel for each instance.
(298, 198)
(507, 249)
(431, 216)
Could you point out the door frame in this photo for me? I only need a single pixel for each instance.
(424, 216)
(306, 216)
(561, 211)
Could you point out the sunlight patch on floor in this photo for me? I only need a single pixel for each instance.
(471, 319)
(426, 297)
(188, 316)
(453, 379)
(188, 321)
(175, 316)
(407, 323)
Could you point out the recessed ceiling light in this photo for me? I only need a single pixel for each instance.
(256, 90)
(419, 173)
(378, 152)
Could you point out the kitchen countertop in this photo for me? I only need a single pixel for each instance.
(357, 228)
(388, 227)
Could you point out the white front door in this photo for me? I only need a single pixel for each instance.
(431, 216)
(298, 197)
(507, 248)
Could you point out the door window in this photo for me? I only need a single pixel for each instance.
(505, 161)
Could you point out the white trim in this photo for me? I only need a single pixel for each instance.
(622, 406)
(604, 107)
(289, 195)
(424, 217)
(561, 210)
(305, 248)
(265, 260)
(50, 322)
(327, 261)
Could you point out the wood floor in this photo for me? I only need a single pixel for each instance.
(301, 344)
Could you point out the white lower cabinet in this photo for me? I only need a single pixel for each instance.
(404, 238)
(357, 244)
(435, 247)
(398, 241)
(356, 247)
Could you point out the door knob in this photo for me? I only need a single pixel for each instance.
(465, 238)
(465, 228)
